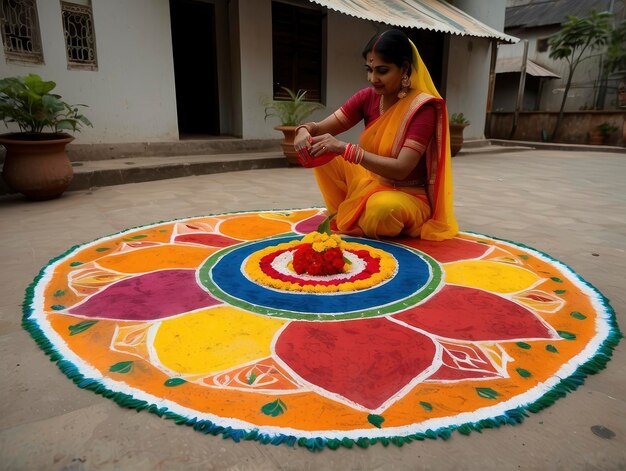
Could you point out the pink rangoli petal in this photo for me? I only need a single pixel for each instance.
(470, 314)
(310, 225)
(366, 361)
(449, 250)
(154, 295)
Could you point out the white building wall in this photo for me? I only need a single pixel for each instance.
(469, 58)
(255, 26)
(345, 74)
(131, 97)
(347, 36)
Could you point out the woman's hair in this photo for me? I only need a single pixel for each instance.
(394, 47)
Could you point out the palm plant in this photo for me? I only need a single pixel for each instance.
(292, 111)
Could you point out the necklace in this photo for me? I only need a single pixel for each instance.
(381, 108)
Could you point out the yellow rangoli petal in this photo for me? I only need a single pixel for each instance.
(491, 276)
(295, 216)
(214, 340)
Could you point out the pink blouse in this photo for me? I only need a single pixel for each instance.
(364, 105)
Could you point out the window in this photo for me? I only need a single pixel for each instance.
(20, 31)
(542, 44)
(80, 39)
(297, 49)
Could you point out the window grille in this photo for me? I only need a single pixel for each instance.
(80, 39)
(20, 31)
(297, 42)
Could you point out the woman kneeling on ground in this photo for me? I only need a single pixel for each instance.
(397, 180)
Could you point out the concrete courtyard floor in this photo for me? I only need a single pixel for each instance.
(571, 205)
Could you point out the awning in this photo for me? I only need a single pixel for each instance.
(435, 15)
(514, 64)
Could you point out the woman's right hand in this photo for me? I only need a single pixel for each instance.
(302, 140)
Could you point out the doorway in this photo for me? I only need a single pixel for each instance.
(195, 68)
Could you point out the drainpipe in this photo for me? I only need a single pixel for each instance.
(520, 91)
(492, 85)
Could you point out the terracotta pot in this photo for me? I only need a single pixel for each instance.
(289, 134)
(37, 165)
(456, 138)
(595, 138)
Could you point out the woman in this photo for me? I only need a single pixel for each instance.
(397, 180)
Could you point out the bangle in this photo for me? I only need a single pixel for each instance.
(302, 126)
(311, 128)
(353, 154)
(359, 157)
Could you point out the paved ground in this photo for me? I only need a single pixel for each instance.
(571, 205)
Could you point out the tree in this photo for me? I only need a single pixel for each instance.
(616, 50)
(614, 60)
(577, 37)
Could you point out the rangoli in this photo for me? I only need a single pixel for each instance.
(205, 321)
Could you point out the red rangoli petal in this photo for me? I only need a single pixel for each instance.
(470, 314)
(451, 250)
(366, 361)
(210, 240)
(460, 362)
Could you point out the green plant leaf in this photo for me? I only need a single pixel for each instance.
(523, 345)
(426, 405)
(275, 408)
(58, 307)
(578, 315)
(523, 373)
(566, 335)
(560, 291)
(324, 227)
(170, 383)
(252, 377)
(75, 264)
(58, 293)
(551, 348)
(375, 420)
(81, 327)
(102, 249)
(487, 393)
(28, 102)
(557, 279)
(122, 367)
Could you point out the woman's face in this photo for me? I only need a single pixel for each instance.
(385, 77)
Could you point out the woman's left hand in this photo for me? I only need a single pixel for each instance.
(326, 144)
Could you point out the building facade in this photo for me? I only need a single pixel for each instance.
(164, 70)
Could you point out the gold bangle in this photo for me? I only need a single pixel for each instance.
(301, 127)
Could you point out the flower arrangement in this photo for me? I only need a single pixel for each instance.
(319, 254)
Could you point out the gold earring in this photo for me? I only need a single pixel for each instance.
(406, 83)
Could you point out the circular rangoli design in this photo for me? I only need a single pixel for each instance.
(204, 321)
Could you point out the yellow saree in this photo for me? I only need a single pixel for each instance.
(348, 189)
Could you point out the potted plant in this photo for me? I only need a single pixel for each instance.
(291, 112)
(599, 134)
(36, 163)
(458, 122)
